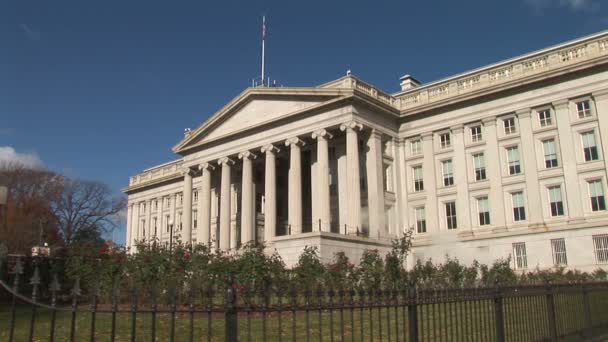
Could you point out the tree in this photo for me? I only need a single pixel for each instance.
(29, 215)
(84, 206)
(57, 209)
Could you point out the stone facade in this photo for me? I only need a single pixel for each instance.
(505, 160)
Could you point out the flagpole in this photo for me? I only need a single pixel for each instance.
(263, 46)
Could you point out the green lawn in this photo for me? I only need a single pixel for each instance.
(525, 320)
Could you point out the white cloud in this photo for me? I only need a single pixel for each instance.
(8, 155)
(574, 5)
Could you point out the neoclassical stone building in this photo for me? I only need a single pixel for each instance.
(505, 160)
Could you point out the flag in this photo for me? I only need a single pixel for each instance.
(264, 28)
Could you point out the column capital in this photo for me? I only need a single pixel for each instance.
(560, 103)
(523, 113)
(427, 136)
(186, 171)
(600, 94)
(322, 133)
(374, 133)
(247, 155)
(351, 125)
(206, 166)
(491, 121)
(225, 161)
(295, 141)
(270, 148)
(457, 128)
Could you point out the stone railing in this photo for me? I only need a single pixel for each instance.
(161, 171)
(351, 82)
(518, 69)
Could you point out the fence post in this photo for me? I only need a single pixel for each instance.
(230, 315)
(587, 308)
(413, 312)
(498, 313)
(551, 312)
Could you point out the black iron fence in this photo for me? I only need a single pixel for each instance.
(42, 309)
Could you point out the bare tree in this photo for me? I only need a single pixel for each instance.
(85, 206)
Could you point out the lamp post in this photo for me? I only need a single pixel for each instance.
(170, 236)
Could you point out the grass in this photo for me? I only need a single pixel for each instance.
(526, 319)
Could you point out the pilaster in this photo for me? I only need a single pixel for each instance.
(532, 193)
(566, 145)
(430, 185)
(497, 213)
(461, 166)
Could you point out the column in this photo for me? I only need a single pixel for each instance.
(463, 216)
(353, 219)
(225, 218)
(270, 193)
(430, 183)
(535, 210)
(187, 207)
(295, 185)
(149, 229)
(568, 160)
(497, 212)
(204, 205)
(129, 225)
(247, 199)
(173, 224)
(375, 186)
(135, 226)
(400, 187)
(322, 182)
(601, 111)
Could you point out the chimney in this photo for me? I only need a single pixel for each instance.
(408, 82)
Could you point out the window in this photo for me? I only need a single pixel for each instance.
(583, 108)
(589, 146)
(143, 207)
(181, 199)
(167, 221)
(420, 220)
(143, 226)
(544, 118)
(168, 201)
(550, 153)
(600, 247)
(194, 218)
(195, 195)
(155, 205)
(450, 215)
(179, 220)
(555, 199)
(519, 210)
(416, 147)
(509, 125)
(519, 252)
(596, 192)
(418, 178)
(444, 139)
(558, 248)
(476, 133)
(513, 160)
(480, 166)
(155, 225)
(483, 206)
(448, 172)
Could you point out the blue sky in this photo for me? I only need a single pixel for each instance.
(101, 90)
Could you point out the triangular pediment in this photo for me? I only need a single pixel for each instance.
(256, 107)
